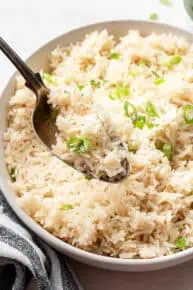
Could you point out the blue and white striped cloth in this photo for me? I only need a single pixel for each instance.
(26, 262)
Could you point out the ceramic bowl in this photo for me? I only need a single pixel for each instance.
(39, 60)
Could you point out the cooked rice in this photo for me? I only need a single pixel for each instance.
(144, 215)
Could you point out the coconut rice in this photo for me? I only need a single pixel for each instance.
(141, 85)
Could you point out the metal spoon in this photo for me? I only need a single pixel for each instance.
(44, 127)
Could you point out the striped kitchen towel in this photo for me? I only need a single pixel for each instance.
(26, 262)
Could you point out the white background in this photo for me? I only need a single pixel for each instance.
(26, 25)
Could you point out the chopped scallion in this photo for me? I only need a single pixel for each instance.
(167, 150)
(151, 110)
(140, 122)
(173, 60)
(67, 207)
(130, 111)
(133, 74)
(155, 74)
(143, 62)
(120, 92)
(49, 78)
(159, 80)
(95, 84)
(114, 55)
(153, 16)
(166, 2)
(79, 144)
(188, 113)
(181, 243)
(81, 87)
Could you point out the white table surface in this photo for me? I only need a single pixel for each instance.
(26, 25)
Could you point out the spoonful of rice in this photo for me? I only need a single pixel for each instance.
(102, 156)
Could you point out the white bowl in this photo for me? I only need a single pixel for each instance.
(38, 61)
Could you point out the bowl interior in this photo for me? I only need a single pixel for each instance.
(38, 61)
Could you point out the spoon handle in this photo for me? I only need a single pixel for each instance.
(33, 80)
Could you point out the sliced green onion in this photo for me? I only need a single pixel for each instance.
(159, 81)
(119, 92)
(122, 91)
(54, 113)
(173, 60)
(150, 124)
(49, 78)
(153, 16)
(167, 149)
(155, 74)
(81, 87)
(166, 2)
(67, 207)
(114, 55)
(188, 113)
(140, 122)
(143, 62)
(134, 74)
(151, 110)
(95, 84)
(12, 173)
(181, 243)
(130, 111)
(79, 145)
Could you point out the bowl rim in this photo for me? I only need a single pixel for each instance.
(61, 245)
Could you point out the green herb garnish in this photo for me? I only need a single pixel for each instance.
(167, 150)
(12, 173)
(67, 207)
(159, 80)
(133, 74)
(188, 113)
(120, 92)
(79, 145)
(95, 84)
(180, 243)
(140, 122)
(153, 16)
(130, 111)
(81, 87)
(49, 78)
(151, 110)
(173, 60)
(143, 62)
(114, 55)
(166, 2)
